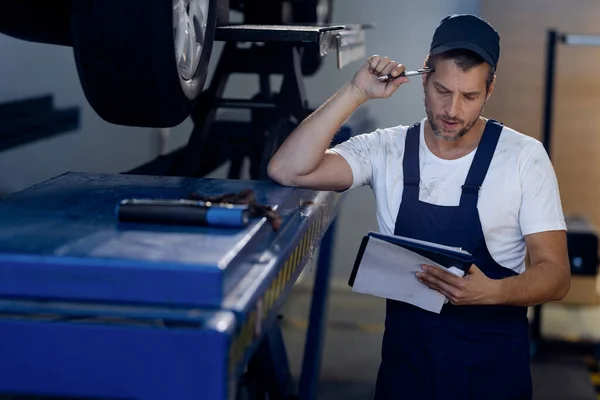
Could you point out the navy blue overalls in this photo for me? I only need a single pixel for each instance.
(465, 352)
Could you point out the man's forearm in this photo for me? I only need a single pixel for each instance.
(539, 284)
(302, 152)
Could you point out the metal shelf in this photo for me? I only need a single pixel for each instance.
(28, 120)
(274, 33)
(347, 40)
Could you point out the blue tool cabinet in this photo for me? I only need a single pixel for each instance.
(91, 307)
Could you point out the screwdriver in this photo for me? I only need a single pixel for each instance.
(421, 71)
(183, 212)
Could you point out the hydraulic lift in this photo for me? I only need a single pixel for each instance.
(92, 306)
(261, 51)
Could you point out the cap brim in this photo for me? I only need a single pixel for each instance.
(464, 44)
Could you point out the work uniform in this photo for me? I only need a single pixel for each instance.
(465, 352)
(484, 202)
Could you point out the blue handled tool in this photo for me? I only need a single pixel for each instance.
(183, 212)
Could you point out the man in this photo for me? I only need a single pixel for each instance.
(458, 179)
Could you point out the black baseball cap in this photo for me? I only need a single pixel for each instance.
(465, 31)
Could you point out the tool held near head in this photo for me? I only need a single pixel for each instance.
(421, 71)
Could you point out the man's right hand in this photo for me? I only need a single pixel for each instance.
(367, 82)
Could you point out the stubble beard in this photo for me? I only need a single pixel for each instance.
(437, 130)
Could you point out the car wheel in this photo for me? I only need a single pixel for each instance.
(143, 62)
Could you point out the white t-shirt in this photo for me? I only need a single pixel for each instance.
(519, 195)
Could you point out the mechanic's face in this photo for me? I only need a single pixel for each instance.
(454, 99)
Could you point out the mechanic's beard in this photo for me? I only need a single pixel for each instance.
(437, 129)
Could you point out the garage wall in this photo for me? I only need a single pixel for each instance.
(518, 100)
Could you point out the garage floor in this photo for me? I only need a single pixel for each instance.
(348, 371)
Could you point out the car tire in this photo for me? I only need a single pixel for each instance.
(126, 58)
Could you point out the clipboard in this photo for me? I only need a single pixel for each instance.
(446, 256)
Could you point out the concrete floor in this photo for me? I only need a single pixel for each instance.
(348, 371)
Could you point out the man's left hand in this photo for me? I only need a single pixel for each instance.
(474, 288)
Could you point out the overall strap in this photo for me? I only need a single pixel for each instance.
(481, 163)
(410, 163)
